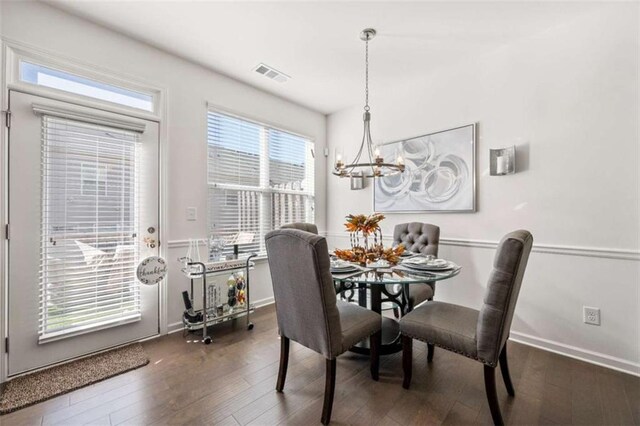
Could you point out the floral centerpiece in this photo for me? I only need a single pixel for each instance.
(365, 236)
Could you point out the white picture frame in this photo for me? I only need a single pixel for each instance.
(439, 176)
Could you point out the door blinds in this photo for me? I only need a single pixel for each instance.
(259, 178)
(89, 227)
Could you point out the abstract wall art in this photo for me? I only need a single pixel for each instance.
(439, 175)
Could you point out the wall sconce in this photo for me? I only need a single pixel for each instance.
(357, 181)
(502, 161)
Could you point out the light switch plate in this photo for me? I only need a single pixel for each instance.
(192, 213)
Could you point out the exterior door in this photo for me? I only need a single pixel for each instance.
(83, 212)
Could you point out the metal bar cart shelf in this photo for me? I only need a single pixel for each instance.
(213, 318)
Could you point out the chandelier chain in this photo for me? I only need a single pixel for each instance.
(366, 76)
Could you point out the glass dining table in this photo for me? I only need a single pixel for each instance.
(374, 288)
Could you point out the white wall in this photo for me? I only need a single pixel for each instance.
(568, 98)
(188, 88)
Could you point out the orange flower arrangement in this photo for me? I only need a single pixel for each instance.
(391, 254)
(366, 226)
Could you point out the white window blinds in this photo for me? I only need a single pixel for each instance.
(89, 227)
(259, 178)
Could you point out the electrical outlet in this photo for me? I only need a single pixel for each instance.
(591, 315)
(192, 213)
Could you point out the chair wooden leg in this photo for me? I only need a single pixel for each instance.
(374, 343)
(504, 367)
(329, 388)
(407, 360)
(430, 350)
(492, 395)
(284, 362)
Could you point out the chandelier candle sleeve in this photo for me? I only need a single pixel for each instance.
(339, 162)
(501, 165)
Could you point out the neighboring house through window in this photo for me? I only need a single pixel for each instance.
(93, 179)
(259, 178)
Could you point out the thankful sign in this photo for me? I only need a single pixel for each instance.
(152, 270)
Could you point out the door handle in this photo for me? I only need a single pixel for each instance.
(149, 241)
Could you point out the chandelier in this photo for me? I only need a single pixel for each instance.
(375, 166)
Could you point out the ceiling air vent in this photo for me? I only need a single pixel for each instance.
(271, 73)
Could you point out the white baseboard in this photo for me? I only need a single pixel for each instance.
(177, 326)
(264, 302)
(585, 355)
(174, 327)
(591, 357)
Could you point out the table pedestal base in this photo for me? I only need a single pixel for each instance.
(391, 342)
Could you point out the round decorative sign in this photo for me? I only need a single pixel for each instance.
(152, 270)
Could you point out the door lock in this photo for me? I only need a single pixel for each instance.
(150, 242)
(151, 229)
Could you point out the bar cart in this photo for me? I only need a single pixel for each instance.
(209, 316)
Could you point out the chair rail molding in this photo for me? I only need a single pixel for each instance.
(566, 250)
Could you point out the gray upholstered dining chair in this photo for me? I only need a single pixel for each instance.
(308, 311)
(421, 238)
(479, 335)
(307, 227)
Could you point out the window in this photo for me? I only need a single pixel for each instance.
(67, 82)
(259, 178)
(93, 179)
(89, 215)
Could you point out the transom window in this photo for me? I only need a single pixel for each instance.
(43, 76)
(259, 178)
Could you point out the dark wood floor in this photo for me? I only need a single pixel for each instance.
(232, 382)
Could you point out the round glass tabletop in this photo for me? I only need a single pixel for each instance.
(395, 275)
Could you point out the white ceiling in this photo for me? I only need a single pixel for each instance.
(317, 43)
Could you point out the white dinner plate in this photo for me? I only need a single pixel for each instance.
(420, 260)
(344, 270)
(429, 268)
(428, 265)
(340, 268)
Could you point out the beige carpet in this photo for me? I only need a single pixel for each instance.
(42, 385)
